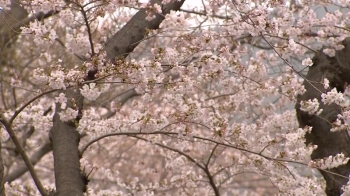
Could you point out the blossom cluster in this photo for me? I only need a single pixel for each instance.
(208, 96)
(43, 35)
(334, 96)
(5, 4)
(330, 162)
(311, 106)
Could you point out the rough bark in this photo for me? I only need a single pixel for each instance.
(127, 38)
(337, 71)
(65, 141)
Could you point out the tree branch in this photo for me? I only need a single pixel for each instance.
(34, 159)
(87, 24)
(24, 155)
(19, 110)
(132, 134)
(211, 181)
(127, 38)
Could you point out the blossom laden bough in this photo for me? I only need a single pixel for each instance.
(206, 94)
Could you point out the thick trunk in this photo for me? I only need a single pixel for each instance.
(65, 141)
(337, 71)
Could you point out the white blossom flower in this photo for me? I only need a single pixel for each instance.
(68, 114)
(330, 162)
(56, 80)
(62, 99)
(346, 189)
(329, 52)
(158, 8)
(326, 83)
(310, 106)
(4, 4)
(333, 96)
(15, 82)
(39, 77)
(90, 92)
(307, 62)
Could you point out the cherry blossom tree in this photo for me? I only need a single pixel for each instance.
(174, 97)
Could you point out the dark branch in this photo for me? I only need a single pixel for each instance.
(127, 38)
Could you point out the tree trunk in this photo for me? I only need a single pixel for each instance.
(65, 142)
(337, 71)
